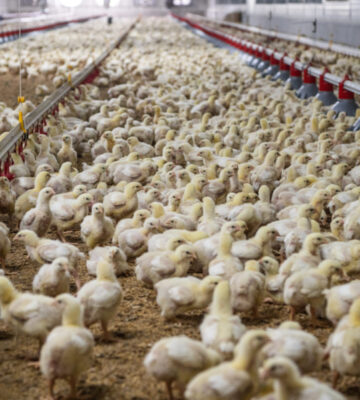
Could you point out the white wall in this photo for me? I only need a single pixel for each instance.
(125, 8)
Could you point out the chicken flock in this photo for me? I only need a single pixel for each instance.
(220, 191)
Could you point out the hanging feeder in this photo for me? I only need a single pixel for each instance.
(295, 79)
(346, 100)
(308, 87)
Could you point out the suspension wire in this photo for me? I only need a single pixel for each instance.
(19, 49)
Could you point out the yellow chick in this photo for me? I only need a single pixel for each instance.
(136, 221)
(221, 329)
(206, 248)
(247, 289)
(308, 257)
(290, 341)
(69, 214)
(28, 199)
(256, 247)
(343, 345)
(67, 351)
(119, 205)
(26, 313)
(53, 279)
(209, 222)
(154, 266)
(115, 254)
(7, 197)
(347, 253)
(91, 177)
(67, 153)
(339, 300)
(134, 242)
(38, 219)
(289, 382)
(96, 229)
(234, 379)
(160, 241)
(47, 250)
(177, 360)
(5, 244)
(101, 296)
(61, 182)
(178, 295)
(273, 282)
(225, 264)
(306, 287)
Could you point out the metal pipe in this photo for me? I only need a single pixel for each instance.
(316, 72)
(8, 143)
(338, 48)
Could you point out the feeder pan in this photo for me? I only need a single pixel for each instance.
(308, 88)
(346, 100)
(284, 71)
(249, 54)
(295, 79)
(273, 68)
(256, 60)
(326, 94)
(356, 126)
(265, 61)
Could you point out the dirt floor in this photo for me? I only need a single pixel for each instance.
(9, 88)
(117, 371)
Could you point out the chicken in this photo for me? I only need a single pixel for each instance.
(28, 199)
(119, 205)
(290, 341)
(67, 351)
(289, 383)
(26, 313)
(119, 260)
(254, 248)
(206, 248)
(220, 329)
(69, 214)
(134, 241)
(346, 253)
(91, 177)
(136, 221)
(234, 379)
(7, 197)
(209, 223)
(308, 256)
(5, 244)
(344, 344)
(61, 182)
(101, 296)
(67, 153)
(47, 250)
(178, 295)
(53, 279)
(96, 229)
(177, 360)
(339, 300)
(306, 287)
(152, 267)
(225, 264)
(38, 219)
(247, 289)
